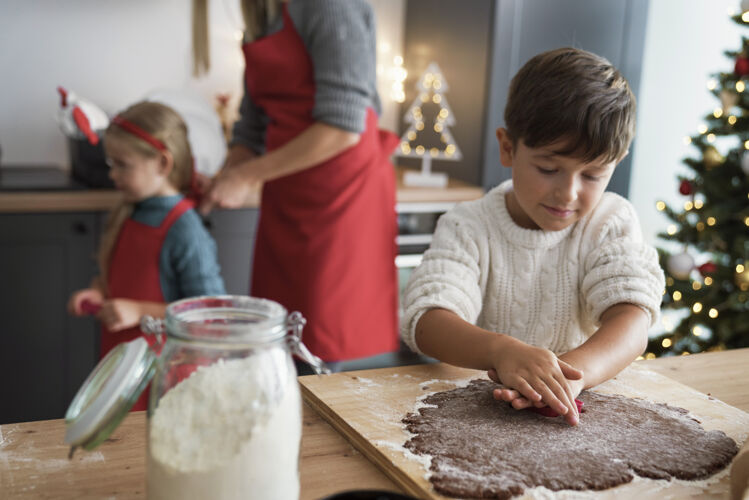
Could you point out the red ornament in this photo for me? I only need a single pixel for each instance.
(742, 66)
(685, 187)
(707, 268)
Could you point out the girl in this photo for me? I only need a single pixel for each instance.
(154, 249)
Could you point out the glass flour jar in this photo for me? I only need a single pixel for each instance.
(224, 417)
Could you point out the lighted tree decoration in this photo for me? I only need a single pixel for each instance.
(428, 136)
(707, 278)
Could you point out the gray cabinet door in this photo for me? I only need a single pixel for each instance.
(234, 232)
(522, 29)
(45, 353)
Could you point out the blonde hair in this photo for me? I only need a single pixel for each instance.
(166, 125)
(201, 54)
(257, 14)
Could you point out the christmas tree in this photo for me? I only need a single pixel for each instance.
(428, 136)
(707, 276)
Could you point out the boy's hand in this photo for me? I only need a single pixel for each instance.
(520, 402)
(119, 314)
(539, 376)
(75, 304)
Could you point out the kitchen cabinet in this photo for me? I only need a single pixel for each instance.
(234, 232)
(45, 353)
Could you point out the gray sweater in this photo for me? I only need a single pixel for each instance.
(339, 36)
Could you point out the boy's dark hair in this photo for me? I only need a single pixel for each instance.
(573, 95)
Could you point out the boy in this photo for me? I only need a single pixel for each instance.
(545, 281)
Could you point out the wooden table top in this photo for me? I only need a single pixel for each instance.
(34, 464)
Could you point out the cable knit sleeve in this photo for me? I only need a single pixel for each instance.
(448, 276)
(620, 267)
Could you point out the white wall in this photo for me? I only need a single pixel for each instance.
(684, 47)
(391, 16)
(113, 52)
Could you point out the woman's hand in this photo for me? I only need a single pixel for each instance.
(119, 314)
(231, 187)
(535, 376)
(76, 300)
(238, 154)
(201, 183)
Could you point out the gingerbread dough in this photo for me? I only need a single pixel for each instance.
(482, 448)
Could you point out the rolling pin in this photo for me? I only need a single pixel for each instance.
(740, 474)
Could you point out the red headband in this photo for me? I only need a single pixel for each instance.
(139, 132)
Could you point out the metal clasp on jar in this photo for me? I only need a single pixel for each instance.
(295, 323)
(154, 326)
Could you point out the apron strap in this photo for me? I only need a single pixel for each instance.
(180, 208)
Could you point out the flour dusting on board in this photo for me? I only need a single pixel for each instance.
(424, 460)
(93, 457)
(367, 382)
(13, 460)
(360, 385)
(427, 387)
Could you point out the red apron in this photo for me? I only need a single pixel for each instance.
(134, 274)
(325, 242)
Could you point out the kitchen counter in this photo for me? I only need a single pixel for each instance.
(94, 200)
(34, 464)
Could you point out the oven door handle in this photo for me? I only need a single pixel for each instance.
(408, 260)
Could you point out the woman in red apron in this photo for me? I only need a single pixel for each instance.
(325, 243)
(143, 258)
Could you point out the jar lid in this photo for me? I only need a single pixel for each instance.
(108, 393)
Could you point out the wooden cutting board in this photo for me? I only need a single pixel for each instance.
(367, 407)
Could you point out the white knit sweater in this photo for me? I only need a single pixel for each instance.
(546, 288)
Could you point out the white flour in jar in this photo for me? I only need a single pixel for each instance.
(229, 431)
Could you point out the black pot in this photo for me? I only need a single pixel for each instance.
(89, 165)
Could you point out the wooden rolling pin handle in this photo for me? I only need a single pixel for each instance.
(740, 474)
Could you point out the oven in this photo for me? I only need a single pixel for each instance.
(416, 224)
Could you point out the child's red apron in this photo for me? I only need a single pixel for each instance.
(134, 274)
(325, 243)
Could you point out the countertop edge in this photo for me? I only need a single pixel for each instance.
(95, 200)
